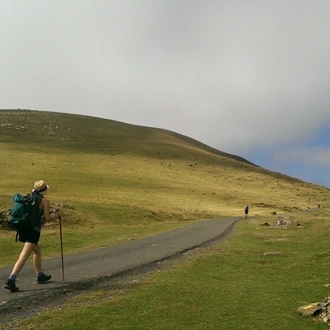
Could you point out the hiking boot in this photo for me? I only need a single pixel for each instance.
(11, 285)
(44, 278)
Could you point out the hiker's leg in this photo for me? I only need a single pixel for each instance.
(37, 258)
(24, 255)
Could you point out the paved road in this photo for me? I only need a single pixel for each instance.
(84, 267)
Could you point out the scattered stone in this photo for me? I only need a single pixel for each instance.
(63, 206)
(319, 310)
(272, 253)
(283, 223)
(310, 309)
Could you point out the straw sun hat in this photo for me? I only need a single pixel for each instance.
(41, 187)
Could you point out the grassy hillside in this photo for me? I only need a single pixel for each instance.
(135, 180)
(117, 182)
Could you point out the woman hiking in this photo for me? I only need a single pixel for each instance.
(30, 238)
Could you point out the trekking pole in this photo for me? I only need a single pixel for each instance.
(60, 222)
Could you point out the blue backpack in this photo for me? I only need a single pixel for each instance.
(24, 212)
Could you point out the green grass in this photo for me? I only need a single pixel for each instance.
(116, 182)
(231, 285)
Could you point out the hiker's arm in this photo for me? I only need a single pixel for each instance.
(47, 215)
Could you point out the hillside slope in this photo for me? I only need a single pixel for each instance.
(96, 134)
(112, 164)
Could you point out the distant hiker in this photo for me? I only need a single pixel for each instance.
(246, 210)
(30, 237)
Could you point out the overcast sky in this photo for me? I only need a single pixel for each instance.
(247, 77)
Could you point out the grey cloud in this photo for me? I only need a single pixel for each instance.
(314, 156)
(232, 74)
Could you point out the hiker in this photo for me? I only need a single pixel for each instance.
(246, 210)
(30, 238)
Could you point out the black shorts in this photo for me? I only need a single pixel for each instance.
(29, 235)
